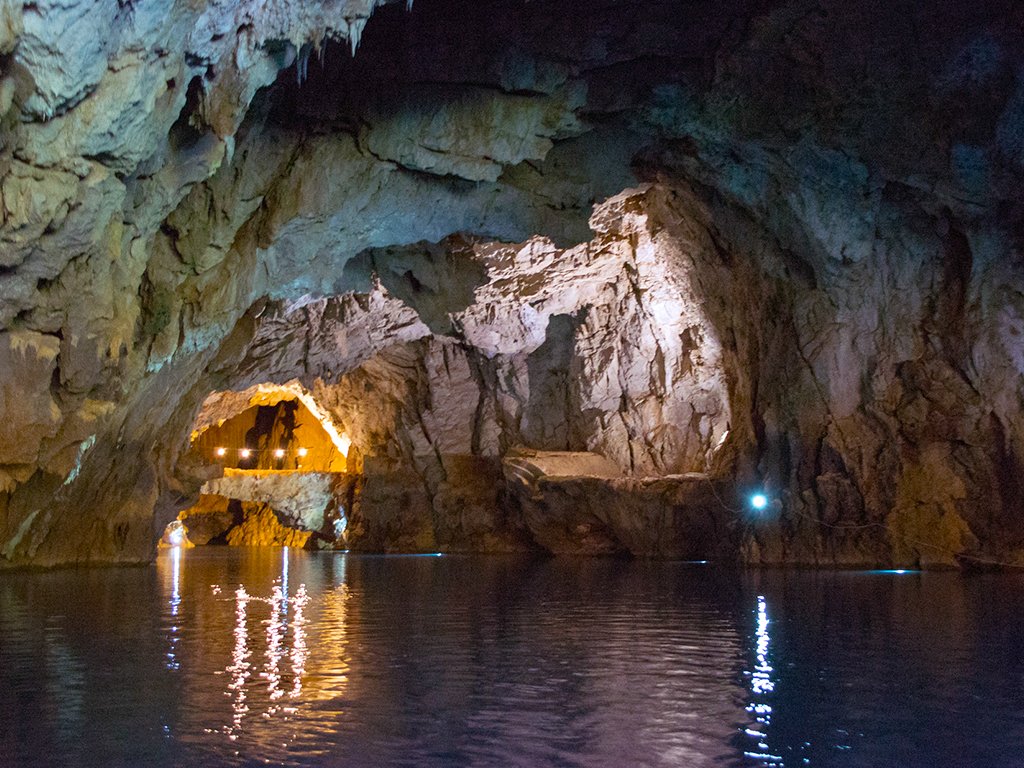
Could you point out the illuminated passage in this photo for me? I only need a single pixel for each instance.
(276, 465)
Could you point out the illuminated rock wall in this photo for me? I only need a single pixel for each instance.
(290, 429)
(220, 520)
(306, 500)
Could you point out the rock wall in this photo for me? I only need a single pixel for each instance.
(580, 503)
(820, 293)
(215, 519)
(603, 347)
(306, 500)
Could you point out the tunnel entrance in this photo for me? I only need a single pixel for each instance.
(278, 437)
(277, 466)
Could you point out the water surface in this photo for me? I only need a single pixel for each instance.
(254, 657)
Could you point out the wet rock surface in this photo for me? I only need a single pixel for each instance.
(581, 504)
(304, 500)
(814, 285)
(455, 505)
(219, 520)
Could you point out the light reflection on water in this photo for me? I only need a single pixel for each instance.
(285, 641)
(175, 603)
(235, 657)
(761, 685)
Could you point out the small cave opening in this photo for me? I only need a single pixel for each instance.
(268, 438)
(277, 466)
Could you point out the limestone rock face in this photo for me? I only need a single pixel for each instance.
(580, 503)
(261, 527)
(603, 347)
(29, 360)
(531, 466)
(455, 505)
(775, 244)
(208, 520)
(218, 520)
(303, 500)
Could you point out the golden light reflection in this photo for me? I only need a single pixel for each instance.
(275, 636)
(175, 605)
(300, 650)
(278, 647)
(333, 672)
(239, 668)
(326, 676)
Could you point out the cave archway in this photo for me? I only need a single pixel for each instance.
(599, 361)
(277, 465)
(269, 428)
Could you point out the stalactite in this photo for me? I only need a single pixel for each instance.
(302, 63)
(355, 33)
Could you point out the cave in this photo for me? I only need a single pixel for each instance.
(615, 386)
(557, 238)
(274, 431)
(560, 294)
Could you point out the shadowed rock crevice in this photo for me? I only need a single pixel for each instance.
(550, 373)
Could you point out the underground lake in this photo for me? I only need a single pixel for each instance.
(257, 656)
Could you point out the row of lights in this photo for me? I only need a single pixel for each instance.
(245, 453)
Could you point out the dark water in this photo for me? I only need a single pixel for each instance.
(424, 661)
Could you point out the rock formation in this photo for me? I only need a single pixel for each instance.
(218, 519)
(777, 245)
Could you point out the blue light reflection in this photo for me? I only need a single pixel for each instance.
(761, 686)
